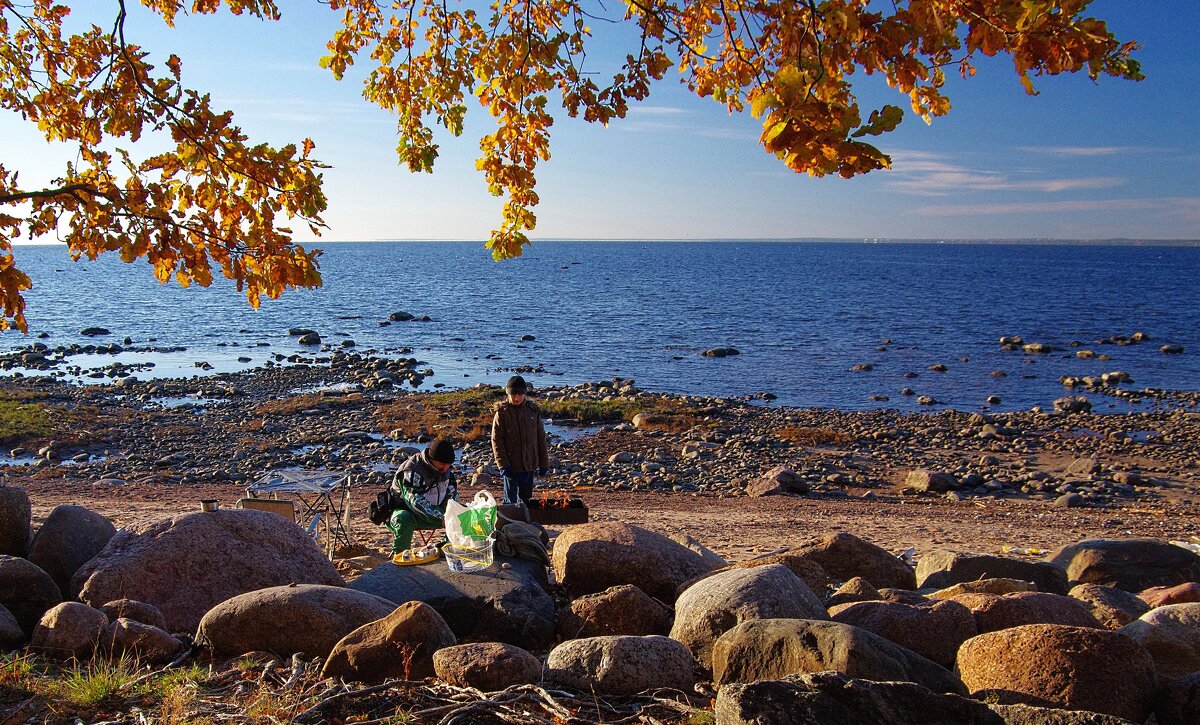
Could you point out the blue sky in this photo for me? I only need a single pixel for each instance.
(1080, 161)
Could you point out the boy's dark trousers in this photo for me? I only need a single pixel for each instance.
(518, 487)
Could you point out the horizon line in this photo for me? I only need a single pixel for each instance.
(1111, 241)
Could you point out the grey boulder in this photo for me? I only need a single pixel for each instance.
(720, 602)
(505, 605)
(1178, 703)
(621, 666)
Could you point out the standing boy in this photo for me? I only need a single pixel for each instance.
(519, 442)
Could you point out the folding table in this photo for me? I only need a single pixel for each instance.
(322, 498)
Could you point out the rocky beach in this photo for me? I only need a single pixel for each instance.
(208, 437)
(675, 487)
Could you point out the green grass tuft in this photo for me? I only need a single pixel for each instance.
(20, 422)
(91, 683)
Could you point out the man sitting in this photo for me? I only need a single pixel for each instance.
(423, 485)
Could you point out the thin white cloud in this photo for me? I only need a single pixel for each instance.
(657, 110)
(925, 174)
(1085, 150)
(1186, 207)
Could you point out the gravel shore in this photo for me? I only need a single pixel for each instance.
(137, 449)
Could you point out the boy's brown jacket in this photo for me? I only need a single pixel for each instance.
(519, 438)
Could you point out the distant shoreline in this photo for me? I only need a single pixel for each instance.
(1040, 242)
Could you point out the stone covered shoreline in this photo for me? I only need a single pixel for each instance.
(229, 428)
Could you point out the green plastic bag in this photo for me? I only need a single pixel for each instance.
(475, 520)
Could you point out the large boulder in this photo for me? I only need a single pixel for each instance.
(765, 649)
(831, 698)
(69, 630)
(619, 610)
(621, 666)
(486, 666)
(400, 645)
(592, 557)
(1129, 564)
(935, 632)
(142, 641)
(717, 604)
(503, 605)
(1051, 665)
(996, 612)
(846, 556)
(1178, 702)
(66, 540)
(269, 619)
(187, 564)
(11, 636)
(15, 515)
(1113, 608)
(1172, 636)
(26, 591)
(941, 568)
(135, 610)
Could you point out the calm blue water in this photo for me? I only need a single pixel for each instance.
(801, 314)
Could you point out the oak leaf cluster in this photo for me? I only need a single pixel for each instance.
(215, 199)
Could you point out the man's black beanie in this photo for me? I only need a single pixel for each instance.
(442, 451)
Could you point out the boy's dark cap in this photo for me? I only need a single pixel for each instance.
(442, 451)
(516, 384)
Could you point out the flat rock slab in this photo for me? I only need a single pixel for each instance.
(499, 605)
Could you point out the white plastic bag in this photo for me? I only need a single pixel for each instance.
(476, 520)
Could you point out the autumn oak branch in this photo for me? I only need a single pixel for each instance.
(215, 200)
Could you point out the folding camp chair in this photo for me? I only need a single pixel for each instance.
(283, 507)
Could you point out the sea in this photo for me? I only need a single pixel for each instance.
(800, 314)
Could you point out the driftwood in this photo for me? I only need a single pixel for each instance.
(276, 693)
